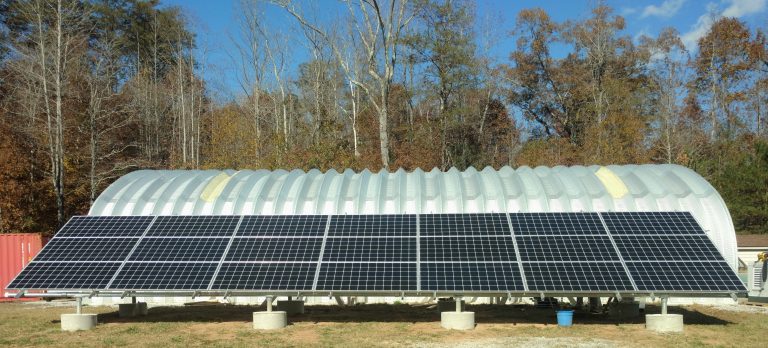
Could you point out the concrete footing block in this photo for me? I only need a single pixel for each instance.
(270, 320)
(127, 310)
(664, 322)
(141, 308)
(622, 310)
(448, 305)
(457, 320)
(76, 322)
(291, 306)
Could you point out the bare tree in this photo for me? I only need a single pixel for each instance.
(379, 26)
(55, 39)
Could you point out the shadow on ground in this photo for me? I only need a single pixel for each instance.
(502, 314)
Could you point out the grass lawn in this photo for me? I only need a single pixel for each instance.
(37, 324)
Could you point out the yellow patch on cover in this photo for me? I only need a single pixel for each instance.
(613, 184)
(215, 187)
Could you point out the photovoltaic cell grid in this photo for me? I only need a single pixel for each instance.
(367, 277)
(275, 249)
(477, 248)
(502, 276)
(559, 252)
(372, 226)
(105, 226)
(283, 226)
(193, 226)
(556, 224)
(566, 248)
(563, 276)
(87, 249)
(463, 224)
(651, 223)
(265, 276)
(370, 249)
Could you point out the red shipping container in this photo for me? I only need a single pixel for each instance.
(16, 251)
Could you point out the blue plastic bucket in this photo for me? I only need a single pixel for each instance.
(565, 317)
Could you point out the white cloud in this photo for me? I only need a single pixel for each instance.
(667, 9)
(741, 8)
(626, 11)
(736, 8)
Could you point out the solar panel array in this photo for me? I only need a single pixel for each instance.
(460, 253)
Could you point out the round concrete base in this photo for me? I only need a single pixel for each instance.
(457, 320)
(270, 320)
(291, 306)
(621, 310)
(448, 306)
(664, 322)
(75, 322)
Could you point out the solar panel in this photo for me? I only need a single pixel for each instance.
(480, 248)
(274, 249)
(87, 249)
(574, 276)
(65, 275)
(463, 224)
(105, 226)
(283, 225)
(164, 276)
(563, 252)
(556, 224)
(193, 226)
(566, 248)
(367, 277)
(265, 276)
(372, 226)
(457, 276)
(180, 249)
(661, 248)
(693, 276)
(647, 223)
(370, 249)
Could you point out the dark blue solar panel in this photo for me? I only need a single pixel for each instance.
(87, 249)
(105, 226)
(556, 224)
(566, 248)
(275, 249)
(367, 277)
(65, 275)
(651, 223)
(693, 276)
(164, 276)
(370, 249)
(372, 226)
(572, 276)
(480, 277)
(283, 225)
(463, 224)
(180, 249)
(265, 276)
(194, 226)
(478, 248)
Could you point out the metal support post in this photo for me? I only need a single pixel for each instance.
(458, 304)
(133, 300)
(79, 305)
(664, 305)
(269, 303)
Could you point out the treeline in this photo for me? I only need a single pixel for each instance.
(90, 90)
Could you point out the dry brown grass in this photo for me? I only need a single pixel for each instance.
(369, 325)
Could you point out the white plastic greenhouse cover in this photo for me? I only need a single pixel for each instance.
(542, 189)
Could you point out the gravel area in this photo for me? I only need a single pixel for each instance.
(742, 308)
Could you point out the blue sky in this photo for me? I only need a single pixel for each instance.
(215, 23)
